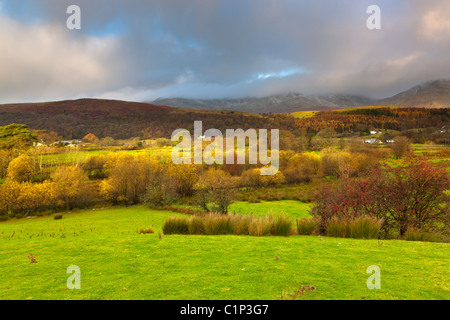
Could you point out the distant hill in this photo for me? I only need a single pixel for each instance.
(120, 119)
(285, 103)
(434, 94)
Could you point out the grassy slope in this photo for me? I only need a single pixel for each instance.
(291, 208)
(118, 263)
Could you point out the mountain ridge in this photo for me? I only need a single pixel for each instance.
(431, 94)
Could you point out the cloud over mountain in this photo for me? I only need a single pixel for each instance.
(143, 50)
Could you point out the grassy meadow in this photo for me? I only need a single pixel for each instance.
(117, 262)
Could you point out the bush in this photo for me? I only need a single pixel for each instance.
(21, 169)
(302, 168)
(411, 194)
(365, 228)
(260, 227)
(196, 225)
(216, 224)
(217, 187)
(25, 198)
(307, 226)
(337, 163)
(413, 234)
(161, 192)
(281, 226)
(176, 225)
(57, 217)
(241, 224)
(358, 228)
(128, 177)
(338, 228)
(146, 230)
(70, 187)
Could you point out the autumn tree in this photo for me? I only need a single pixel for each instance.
(70, 186)
(91, 138)
(410, 195)
(128, 177)
(185, 176)
(215, 188)
(46, 136)
(5, 158)
(21, 168)
(25, 197)
(400, 146)
(16, 136)
(302, 167)
(325, 138)
(161, 190)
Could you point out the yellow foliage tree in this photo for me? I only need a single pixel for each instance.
(70, 186)
(185, 176)
(26, 197)
(128, 177)
(21, 168)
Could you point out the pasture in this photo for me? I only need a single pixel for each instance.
(117, 262)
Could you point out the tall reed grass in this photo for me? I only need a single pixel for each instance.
(307, 227)
(219, 224)
(176, 225)
(413, 234)
(358, 228)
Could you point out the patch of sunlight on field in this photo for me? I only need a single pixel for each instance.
(304, 114)
(292, 208)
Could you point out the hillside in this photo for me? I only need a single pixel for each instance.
(120, 119)
(286, 103)
(434, 94)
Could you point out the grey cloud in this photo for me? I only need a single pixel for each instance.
(207, 49)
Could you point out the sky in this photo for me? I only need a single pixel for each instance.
(141, 50)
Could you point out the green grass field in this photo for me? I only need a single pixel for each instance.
(118, 263)
(291, 208)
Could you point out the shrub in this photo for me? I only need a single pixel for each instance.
(413, 234)
(25, 198)
(241, 224)
(338, 228)
(70, 187)
(409, 195)
(401, 146)
(215, 186)
(281, 226)
(128, 177)
(365, 228)
(196, 225)
(216, 224)
(57, 217)
(335, 164)
(307, 226)
(358, 228)
(260, 227)
(161, 191)
(302, 168)
(176, 225)
(146, 230)
(21, 169)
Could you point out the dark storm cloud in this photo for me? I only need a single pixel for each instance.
(141, 50)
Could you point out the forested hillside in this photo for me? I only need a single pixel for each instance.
(120, 120)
